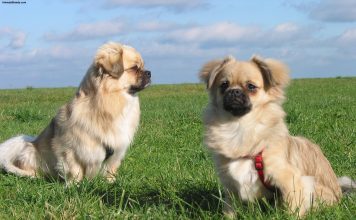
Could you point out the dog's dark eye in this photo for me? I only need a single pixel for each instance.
(134, 68)
(251, 87)
(224, 85)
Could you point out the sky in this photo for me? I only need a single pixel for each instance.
(52, 43)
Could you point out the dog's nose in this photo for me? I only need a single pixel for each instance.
(148, 73)
(235, 92)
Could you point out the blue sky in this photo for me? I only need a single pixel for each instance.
(51, 43)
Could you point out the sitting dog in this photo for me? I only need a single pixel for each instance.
(91, 133)
(250, 142)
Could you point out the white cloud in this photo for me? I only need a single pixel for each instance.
(17, 39)
(111, 28)
(348, 37)
(12, 57)
(346, 44)
(329, 10)
(155, 26)
(223, 31)
(176, 5)
(335, 11)
(89, 31)
(225, 34)
(41, 55)
(286, 28)
(58, 65)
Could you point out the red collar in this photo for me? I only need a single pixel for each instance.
(258, 159)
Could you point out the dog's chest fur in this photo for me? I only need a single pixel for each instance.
(240, 177)
(238, 139)
(124, 126)
(93, 140)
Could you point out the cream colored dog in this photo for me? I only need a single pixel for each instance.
(90, 134)
(252, 148)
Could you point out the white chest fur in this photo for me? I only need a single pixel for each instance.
(117, 137)
(239, 175)
(124, 126)
(246, 181)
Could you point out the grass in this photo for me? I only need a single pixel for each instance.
(167, 173)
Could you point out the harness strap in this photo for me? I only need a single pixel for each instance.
(259, 167)
(258, 160)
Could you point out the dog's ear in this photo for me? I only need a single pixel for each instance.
(109, 58)
(211, 69)
(274, 72)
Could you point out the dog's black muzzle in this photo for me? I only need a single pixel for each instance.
(145, 77)
(236, 102)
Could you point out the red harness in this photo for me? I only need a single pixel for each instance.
(258, 159)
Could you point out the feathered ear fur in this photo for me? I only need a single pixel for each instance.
(211, 69)
(274, 72)
(109, 57)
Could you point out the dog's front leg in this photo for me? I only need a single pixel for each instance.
(110, 172)
(290, 182)
(228, 209)
(69, 169)
(111, 165)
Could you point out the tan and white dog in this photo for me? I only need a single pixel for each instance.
(91, 133)
(251, 144)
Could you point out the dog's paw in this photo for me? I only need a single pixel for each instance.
(229, 212)
(229, 215)
(72, 183)
(110, 178)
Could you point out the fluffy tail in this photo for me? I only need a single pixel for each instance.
(347, 184)
(18, 156)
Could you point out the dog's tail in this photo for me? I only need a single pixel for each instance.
(18, 156)
(347, 184)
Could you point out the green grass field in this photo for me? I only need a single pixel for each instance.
(167, 173)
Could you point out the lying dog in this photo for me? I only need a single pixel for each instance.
(91, 133)
(252, 148)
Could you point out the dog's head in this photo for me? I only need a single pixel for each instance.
(237, 87)
(117, 67)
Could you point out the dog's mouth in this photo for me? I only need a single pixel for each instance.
(236, 102)
(238, 112)
(136, 88)
(148, 84)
